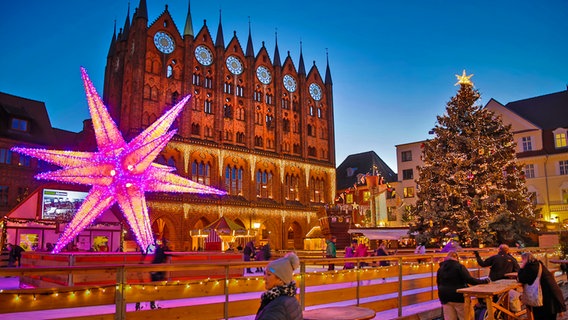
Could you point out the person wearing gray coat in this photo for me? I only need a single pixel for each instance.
(279, 301)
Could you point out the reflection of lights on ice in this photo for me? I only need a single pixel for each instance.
(119, 172)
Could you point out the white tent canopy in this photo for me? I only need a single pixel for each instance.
(382, 233)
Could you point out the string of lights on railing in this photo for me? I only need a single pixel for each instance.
(378, 271)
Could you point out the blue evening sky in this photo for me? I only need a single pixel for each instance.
(393, 63)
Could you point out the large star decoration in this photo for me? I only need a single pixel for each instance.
(464, 79)
(119, 172)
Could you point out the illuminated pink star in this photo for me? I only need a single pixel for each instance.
(119, 172)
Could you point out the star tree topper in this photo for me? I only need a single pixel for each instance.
(119, 172)
(464, 79)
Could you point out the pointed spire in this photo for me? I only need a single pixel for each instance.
(301, 67)
(126, 27)
(276, 51)
(250, 50)
(188, 30)
(220, 42)
(142, 11)
(327, 71)
(112, 47)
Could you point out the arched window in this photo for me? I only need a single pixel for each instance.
(170, 71)
(207, 107)
(296, 148)
(195, 129)
(240, 90)
(228, 88)
(312, 151)
(227, 111)
(316, 190)
(263, 184)
(201, 172)
(269, 121)
(208, 82)
(240, 137)
(171, 162)
(285, 103)
(285, 125)
(234, 180)
(196, 81)
(240, 114)
(154, 93)
(292, 185)
(228, 135)
(258, 141)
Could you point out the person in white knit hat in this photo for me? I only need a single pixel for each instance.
(279, 301)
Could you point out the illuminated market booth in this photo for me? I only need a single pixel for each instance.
(315, 240)
(221, 235)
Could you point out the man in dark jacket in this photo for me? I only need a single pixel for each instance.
(452, 275)
(501, 263)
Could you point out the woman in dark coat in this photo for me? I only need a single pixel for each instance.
(279, 301)
(553, 300)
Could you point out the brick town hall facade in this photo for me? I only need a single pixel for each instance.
(256, 126)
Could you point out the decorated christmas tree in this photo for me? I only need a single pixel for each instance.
(471, 186)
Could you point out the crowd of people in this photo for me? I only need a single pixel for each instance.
(452, 276)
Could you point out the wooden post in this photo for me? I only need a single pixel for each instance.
(400, 287)
(226, 311)
(120, 301)
(303, 284)
(358, 269)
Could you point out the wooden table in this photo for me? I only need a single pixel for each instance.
(559, 261)
(512, 275)
(339, 313)
(487, 292)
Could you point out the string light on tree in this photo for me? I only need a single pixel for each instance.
(118, 172)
